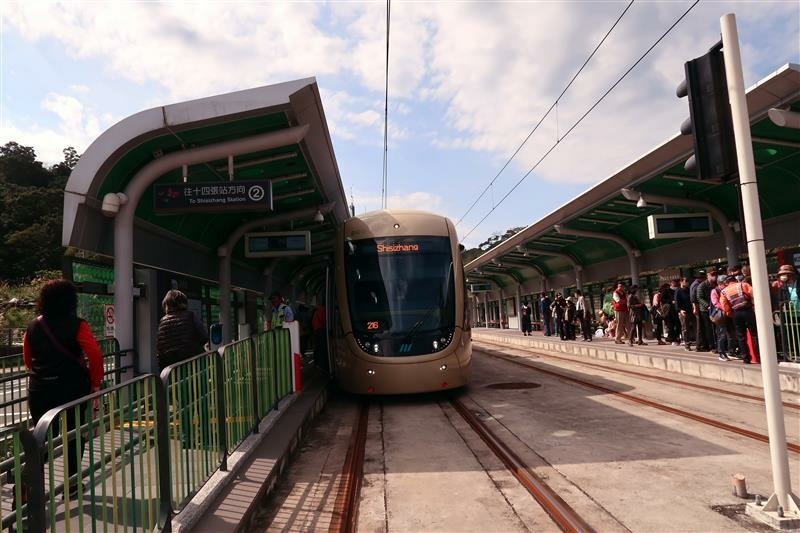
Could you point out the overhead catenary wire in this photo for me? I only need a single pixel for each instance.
(588, 111)
(385, 187)
(547, 113)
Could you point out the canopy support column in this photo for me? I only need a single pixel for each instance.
(129, 200)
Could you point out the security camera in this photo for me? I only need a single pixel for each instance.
(112, 202)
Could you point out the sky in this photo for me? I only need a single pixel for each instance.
(468, 81)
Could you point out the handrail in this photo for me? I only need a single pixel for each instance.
(188, 395)
(141, 390)
(127, 434)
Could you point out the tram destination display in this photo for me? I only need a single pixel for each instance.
(681, 225)
(213, 197)
(277, 244)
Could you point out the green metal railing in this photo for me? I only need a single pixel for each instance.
(20, 459)
(240, 376)
(284, 364)
(123, 480)
(14, 381)
(197, 432)
(789, 325)
(127, 456)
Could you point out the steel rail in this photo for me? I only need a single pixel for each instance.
(562, 514)
(345, 512)
(725, 392)
(651, 403)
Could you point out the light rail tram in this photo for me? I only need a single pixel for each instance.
(400, 315)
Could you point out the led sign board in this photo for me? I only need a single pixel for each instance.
(480, 287)
(277, 244)
(213, 196)
(680, 226)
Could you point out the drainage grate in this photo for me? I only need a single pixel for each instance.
(513, 386)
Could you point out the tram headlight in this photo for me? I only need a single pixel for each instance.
(435, 345)
(443, 368)
(376, 348)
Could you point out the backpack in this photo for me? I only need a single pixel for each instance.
(717, 316)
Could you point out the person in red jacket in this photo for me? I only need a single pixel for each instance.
(619, 301)
(63, 356)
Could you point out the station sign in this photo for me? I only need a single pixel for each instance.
(480, 287)
(682, 225)
(277, 244)
(213, 197)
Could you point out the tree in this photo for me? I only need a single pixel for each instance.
(18, 165)
(31, 201)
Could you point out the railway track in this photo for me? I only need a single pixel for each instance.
(793, 447)
(345, 511)
(663, 379)
(559, 511)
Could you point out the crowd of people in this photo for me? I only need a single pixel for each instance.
(712, 312)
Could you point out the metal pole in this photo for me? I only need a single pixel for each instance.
(758, 265)
(518, 303)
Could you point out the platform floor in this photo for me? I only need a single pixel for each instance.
(674, 359)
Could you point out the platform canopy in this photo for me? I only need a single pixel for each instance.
(304, 177)
(604, 209)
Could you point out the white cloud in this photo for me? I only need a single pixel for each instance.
(77, 126)
(193, 49)
(413, 200)
(494, 67)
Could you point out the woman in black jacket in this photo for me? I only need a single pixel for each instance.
(181, 335)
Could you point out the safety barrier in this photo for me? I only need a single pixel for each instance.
(239, 371)
(14, 381)
(789, 325)
(197, 432)
(131, 454)
(117, 439)
(20, 463)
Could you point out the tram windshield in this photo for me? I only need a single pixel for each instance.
(400, 289)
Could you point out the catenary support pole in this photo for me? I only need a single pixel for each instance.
(758, 265)
(518, 302)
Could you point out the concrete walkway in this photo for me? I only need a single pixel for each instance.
(241, 494)
(668, 358)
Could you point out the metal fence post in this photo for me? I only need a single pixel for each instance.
(254, 383)
(275, 368)
(162, 441)
(222, 427)
(33, 479)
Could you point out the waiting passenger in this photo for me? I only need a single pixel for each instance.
(319, 327)
(786, 300)
(525, 318)
(620, 305)
(558, 310)
(546, 314)
(64, 359)
(584, 317)
(684, 308)
(181, 335)
(736, 301)
(280, 313)
(722, 324)
(636, 310)
(700, 306)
